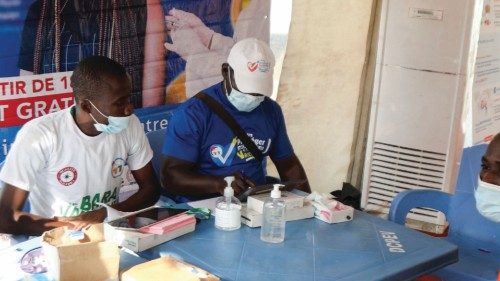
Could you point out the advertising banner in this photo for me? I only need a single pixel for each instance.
(172, 49)
(486, 88)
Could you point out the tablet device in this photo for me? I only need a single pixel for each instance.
(146, 217)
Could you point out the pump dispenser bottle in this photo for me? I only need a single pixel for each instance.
(228, 209)
(273, 218)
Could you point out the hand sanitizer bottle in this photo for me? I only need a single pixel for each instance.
(228, 209)
(273, 218)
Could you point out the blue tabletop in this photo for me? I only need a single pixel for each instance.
(366, 248)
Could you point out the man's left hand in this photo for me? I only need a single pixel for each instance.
(85, 219)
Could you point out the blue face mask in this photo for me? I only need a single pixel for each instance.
(488, 200)
(115, 124)
(243, 102)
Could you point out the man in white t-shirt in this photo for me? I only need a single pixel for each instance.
(68, 162)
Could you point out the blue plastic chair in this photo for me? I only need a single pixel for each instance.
(477, 238)
(155, 139)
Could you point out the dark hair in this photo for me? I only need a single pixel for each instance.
(88, 77)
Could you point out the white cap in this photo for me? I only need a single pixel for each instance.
(253, 63)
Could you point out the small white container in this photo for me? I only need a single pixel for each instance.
(228, 209)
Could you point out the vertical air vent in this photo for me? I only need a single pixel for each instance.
(395, 168)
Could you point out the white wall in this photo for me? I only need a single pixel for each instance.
(321, 80)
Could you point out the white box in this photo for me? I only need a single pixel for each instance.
(342, 214)
(253, 218)
(136, 241)
(292, 200)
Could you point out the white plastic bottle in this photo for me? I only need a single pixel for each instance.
(273, 218)
(228, 209)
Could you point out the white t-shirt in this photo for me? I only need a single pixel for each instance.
(67, 172)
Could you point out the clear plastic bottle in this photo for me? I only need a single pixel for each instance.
(228, 209)
(273, 218)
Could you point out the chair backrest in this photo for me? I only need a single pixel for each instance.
(467, 226)
(156, 139)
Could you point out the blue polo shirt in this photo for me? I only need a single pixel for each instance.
(196, 134)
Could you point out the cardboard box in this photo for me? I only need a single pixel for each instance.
(292, 200)
(135, 240)
(88, 259)
(253, 218)
(167, 268)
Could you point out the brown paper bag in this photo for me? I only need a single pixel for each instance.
(89, 259)
(169, 269)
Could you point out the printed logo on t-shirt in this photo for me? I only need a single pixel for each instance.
(224, 155)
(67, 176)
(117, 167)
(87, 203)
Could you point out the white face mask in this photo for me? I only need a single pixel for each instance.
(243, 102)
(115, 124)
(488, 200)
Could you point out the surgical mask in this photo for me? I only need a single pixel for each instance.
(115, 124)
(488, 200)
(244, 102)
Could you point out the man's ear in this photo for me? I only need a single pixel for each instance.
(85, 105)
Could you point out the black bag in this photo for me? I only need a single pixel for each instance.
(349, 195)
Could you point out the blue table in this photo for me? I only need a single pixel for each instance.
(367, 248)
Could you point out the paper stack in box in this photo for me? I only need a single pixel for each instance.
(296, 208)
(328, 209)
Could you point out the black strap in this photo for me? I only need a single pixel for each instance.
(231, 123)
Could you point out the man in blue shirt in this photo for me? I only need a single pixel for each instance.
(201, 149)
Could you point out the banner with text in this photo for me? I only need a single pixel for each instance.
(171, 50)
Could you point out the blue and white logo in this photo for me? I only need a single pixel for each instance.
(223, 155)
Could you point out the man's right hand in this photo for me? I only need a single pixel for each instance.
(241, 183)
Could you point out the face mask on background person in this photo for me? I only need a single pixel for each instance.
(488, 200)
(115, 124)
(243, 102)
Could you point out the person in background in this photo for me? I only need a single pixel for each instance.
(487, 193)
(69, 162)
(201, 149)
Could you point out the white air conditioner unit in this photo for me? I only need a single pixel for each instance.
(425, 58)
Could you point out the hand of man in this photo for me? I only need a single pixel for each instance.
(241, 183)
(84, 219)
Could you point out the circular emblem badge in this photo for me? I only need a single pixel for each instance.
(117, 167)
(67, 176)
(216, 150)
